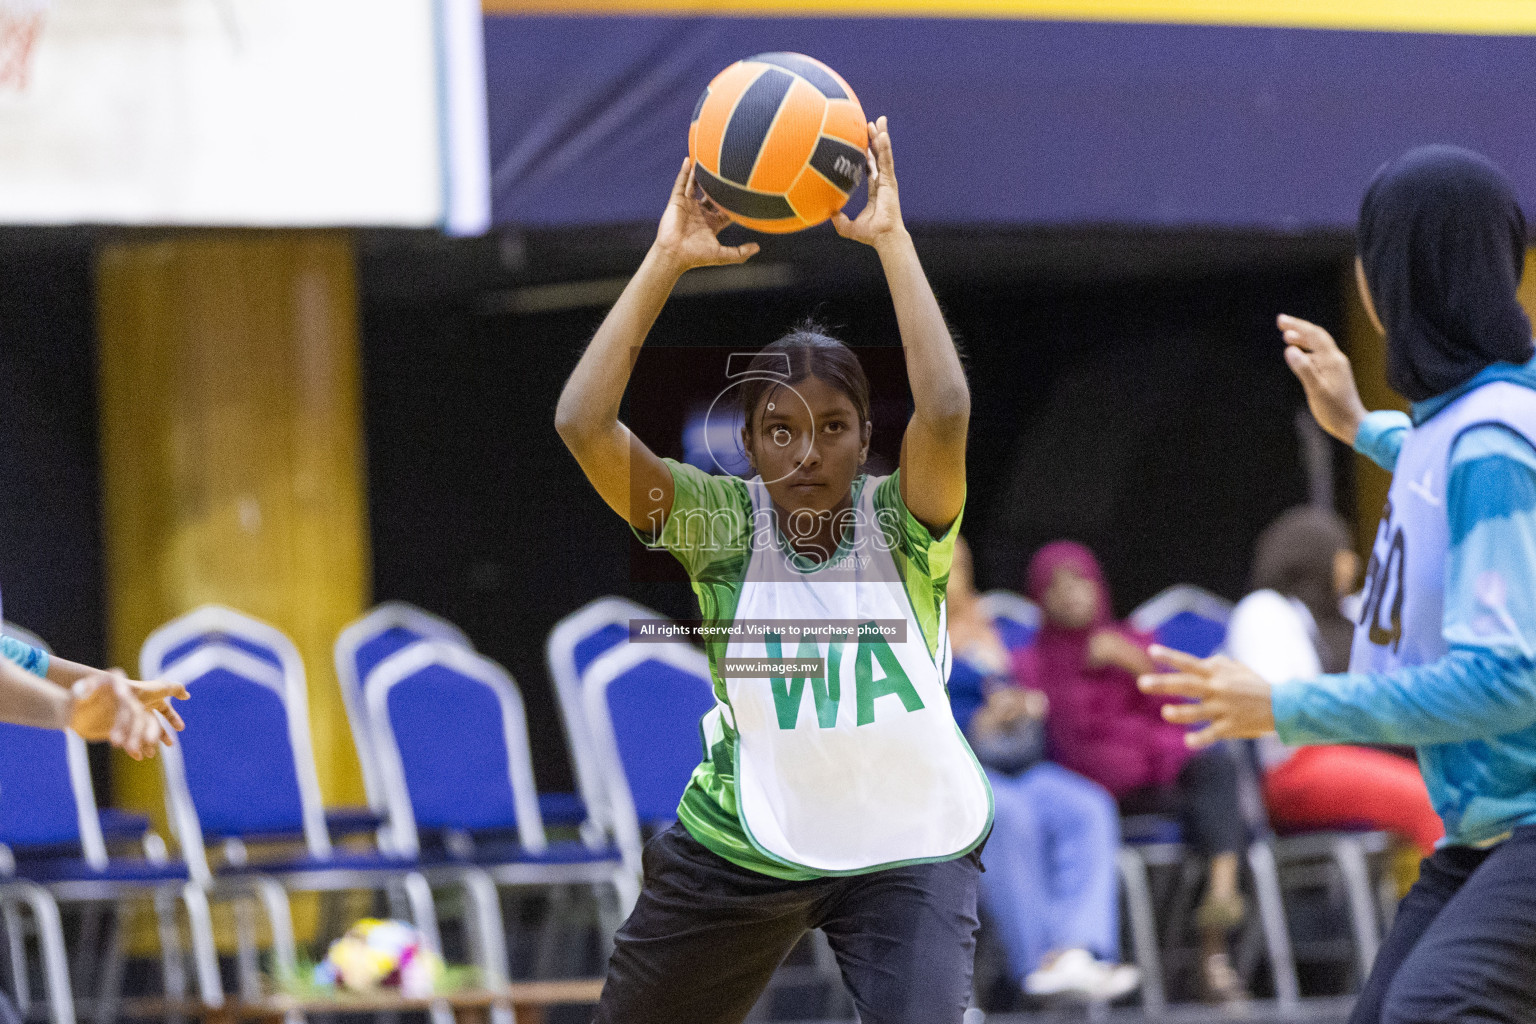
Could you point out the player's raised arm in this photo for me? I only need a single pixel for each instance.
(933, 449)
(629, 476)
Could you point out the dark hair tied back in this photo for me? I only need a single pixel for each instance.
(806, 351)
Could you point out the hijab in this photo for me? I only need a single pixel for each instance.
(1100, 725)
(1067, 554)
(1294, 556)
(1064, 652)
(1442, 243)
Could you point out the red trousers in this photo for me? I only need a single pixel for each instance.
(1330, 787)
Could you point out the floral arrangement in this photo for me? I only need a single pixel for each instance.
(376, 954)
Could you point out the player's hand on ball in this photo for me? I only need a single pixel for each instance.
(686, 236)
(105, 706)
(881, 217)
(1231, 699)
(1325, 373)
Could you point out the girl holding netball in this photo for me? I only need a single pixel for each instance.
(1442, 657)
(838, 794)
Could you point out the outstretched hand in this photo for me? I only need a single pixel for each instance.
(686, 235)
(1231, 699)
(156, 695)
(881, 217)
(1324, 371)
(105, 706)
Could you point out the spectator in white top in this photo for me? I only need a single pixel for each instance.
(1291, 627)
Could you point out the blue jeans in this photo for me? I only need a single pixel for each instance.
(1049, 882)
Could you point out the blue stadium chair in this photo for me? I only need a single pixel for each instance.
(1150, 841)
(115, 824)
(215, 624)
(58, 836)
(452, 742)
(1347, 854)
(38, 813)
(1015, 618)
(243, 774)
(1185, 618)
(1191, 619)
(360, 647)
(50, 828)
(363, 645)
(643, 703)
(1339, 857)
(574, 644)
(15, 894)
(712, 441)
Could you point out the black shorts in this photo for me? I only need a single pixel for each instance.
(706, 937)
(1463, 943)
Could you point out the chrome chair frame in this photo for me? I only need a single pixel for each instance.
(481, 881)
(560, 656)
(270, 890)
(386, 616)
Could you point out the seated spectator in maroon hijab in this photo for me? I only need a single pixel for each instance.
(1101, 726)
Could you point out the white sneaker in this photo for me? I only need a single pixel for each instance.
(1121, 980)
(1075, 972)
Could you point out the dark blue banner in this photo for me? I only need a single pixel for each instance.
(1015, 122)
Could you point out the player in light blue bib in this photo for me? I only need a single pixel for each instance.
(1444, 654)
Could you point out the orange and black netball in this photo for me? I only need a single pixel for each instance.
(778, 142)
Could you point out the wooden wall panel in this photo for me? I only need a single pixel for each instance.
(1367, 352)
(232, 452)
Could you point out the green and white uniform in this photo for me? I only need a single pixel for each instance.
(862, 768)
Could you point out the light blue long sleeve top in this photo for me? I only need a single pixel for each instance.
(1472, 713)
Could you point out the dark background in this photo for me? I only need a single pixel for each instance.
(1127, 392)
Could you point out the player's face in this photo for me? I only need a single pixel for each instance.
(807, 443)
(1072, 600)
(1365, 297)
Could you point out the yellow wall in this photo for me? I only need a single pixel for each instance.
(232, 453)
(1495, 17)
(1528, 285)
(1367, 352)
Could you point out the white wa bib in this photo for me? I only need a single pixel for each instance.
(865, 767)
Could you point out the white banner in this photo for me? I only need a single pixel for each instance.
(239, 112)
